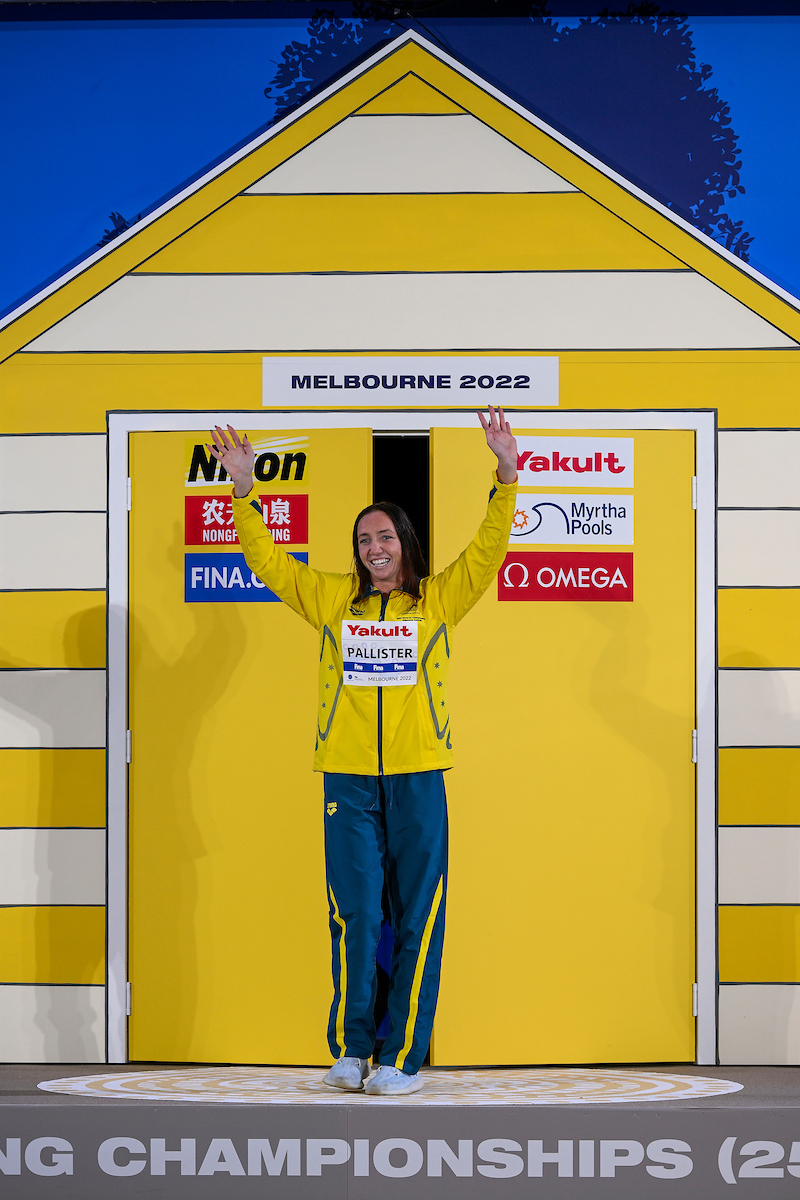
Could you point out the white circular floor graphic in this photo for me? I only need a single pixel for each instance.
(293, 1085)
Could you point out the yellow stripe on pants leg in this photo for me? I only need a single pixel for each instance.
(419, 971)
(342, 975)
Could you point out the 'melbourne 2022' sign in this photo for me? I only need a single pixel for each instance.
(411, 381)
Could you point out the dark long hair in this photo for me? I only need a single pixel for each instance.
(413, 563)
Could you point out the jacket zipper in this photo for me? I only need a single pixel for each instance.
(384, 602)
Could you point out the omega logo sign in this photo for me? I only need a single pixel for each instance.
(528, 575)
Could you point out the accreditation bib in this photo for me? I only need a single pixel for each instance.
(379, 653)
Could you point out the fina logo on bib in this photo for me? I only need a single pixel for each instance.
(555, 519)
(379, 653)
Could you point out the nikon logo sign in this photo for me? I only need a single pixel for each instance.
(280, 458)
(204, 468)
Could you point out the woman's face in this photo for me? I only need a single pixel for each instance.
(380, 551)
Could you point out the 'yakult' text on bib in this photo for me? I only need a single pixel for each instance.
(379, 652)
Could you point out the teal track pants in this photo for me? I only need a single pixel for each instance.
(386, 830)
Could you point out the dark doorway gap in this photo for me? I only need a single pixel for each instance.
(401, 474)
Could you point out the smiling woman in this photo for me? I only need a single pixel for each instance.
(386, 552)
(383, 743)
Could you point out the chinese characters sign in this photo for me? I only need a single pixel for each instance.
(209, 519)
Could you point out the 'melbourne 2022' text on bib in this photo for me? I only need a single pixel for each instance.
(379, 652)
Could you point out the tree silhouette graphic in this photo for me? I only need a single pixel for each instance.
(624, 85)
(334, 43)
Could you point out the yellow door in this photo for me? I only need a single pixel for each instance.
(229, 949)
(570, 921)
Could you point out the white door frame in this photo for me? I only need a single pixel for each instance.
(703, 422)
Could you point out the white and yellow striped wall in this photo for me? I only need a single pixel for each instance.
(52, 739)
(759, 735)
(410, 207)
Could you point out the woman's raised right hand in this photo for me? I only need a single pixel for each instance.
(237, 457)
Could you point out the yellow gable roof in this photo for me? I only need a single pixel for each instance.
(413, 171)
(410, 95)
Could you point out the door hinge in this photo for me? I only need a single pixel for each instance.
(694, 491)
(129, 493)
(127, 999)
(694, 999)
(694, 746)
(127, 745)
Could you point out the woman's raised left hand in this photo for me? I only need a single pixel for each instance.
(502, 443)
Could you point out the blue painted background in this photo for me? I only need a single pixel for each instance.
(110, 116)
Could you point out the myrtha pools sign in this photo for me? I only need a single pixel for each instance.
(554, 519)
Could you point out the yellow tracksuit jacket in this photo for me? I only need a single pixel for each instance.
(381, 730)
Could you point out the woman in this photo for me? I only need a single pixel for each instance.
(383, 742)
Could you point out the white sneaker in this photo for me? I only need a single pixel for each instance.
(389, 1081)
(348, 1073)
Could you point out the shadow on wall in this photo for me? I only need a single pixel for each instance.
(85, 637)
(70, 940)
(83, 641)
(71, 1024)
(618, 692)
(166, 849)
(59, 810)
(752, 1031)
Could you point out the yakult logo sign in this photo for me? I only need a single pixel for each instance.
(556, 519)
(383, 653)
(561, 462)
